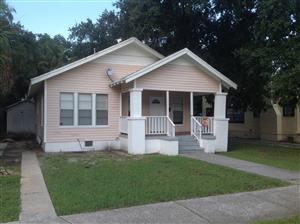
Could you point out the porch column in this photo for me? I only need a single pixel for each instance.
(136, 123)
(167, 103)
(220, 122)
(191, 110)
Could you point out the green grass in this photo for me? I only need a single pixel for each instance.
(10, 195)
(280, 157)
(292, 220)
(93, 181)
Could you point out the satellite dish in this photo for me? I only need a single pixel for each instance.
(109, 73)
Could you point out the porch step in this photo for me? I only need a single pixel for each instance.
(187, 143)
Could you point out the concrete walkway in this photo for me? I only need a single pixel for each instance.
(233, 208)
(36, 206)
(251, 167)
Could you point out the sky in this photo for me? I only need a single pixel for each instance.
(56, 16)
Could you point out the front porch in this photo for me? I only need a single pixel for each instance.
(161, 99)
(169, 115)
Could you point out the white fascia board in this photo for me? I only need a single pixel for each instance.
(211, 71)
(93, 57)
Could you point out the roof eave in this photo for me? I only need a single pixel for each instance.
(93, 57)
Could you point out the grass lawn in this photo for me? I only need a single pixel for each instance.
(280, 157)
(10, 194)
(93, 181)
(292, 220)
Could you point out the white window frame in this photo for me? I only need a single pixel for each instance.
(85, 125)
(76, 108)
(95, 110)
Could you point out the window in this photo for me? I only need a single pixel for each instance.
(66, 109)
(88, 143)
(197, 99)
(177, 107)
(101, 109)
(235, 116)
(84, 109)
(288, 111)
(128, 105)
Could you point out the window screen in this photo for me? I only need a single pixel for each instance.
(66, 109)
(235, 116)
(177, 107)
(288, 111)
(101, 109)
(84, 109)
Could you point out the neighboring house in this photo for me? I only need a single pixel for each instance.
(130, 97)
(275, 124)
(21, 118)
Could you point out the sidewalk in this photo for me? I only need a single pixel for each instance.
(234, 208)
(36, 204)
(251, 167)
(231, 208)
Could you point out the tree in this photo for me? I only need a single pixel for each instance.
(88, 37)
(5, 49)
(273, 55)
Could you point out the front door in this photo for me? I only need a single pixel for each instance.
(157, 106)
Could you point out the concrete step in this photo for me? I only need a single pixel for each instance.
(190, 151)
(188, 144)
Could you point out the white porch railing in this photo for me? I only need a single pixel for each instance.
(123, 125)
(207, 124)
(160, 125)
(155, 125)
(196, 128)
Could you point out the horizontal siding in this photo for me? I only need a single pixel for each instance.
(88, 78)
(128, 56)
(119, 70)
(178, 78)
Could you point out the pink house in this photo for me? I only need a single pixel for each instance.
(131, 97)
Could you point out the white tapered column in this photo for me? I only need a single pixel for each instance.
(220, 122)
(136, 123)
(167, 103)
(191, 109)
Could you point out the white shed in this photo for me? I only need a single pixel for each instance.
(21, 118)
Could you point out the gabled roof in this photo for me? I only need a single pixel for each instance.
(19, 102)
(99, 54)
(198, 61)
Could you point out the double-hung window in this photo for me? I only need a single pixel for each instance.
(235, 116)
(84, 109)
(66, 109)
(101, 109)
(177, 107)
(288, 111)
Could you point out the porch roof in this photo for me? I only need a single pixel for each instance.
(184, 52)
